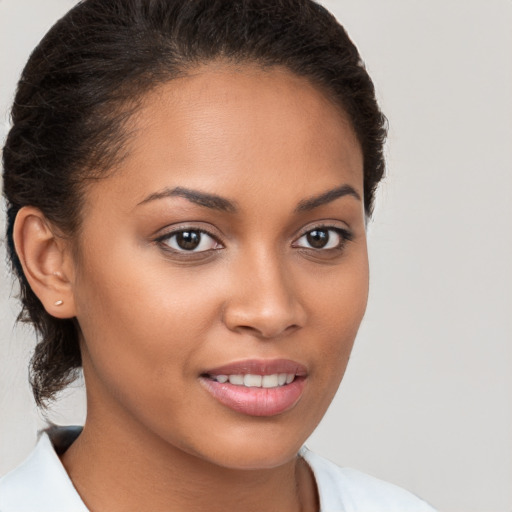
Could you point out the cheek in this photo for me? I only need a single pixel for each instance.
(156, 316)
(143, 336)
(339, 309)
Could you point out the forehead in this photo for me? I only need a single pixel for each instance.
(231, 129)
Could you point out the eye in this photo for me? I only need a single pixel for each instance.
(323, 238)
(190, 240)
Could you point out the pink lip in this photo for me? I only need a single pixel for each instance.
(257, 401)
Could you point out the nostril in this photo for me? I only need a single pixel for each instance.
(268, 331)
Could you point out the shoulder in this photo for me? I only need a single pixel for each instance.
(348, 490)
(39, 484)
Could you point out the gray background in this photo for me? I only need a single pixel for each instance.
(427, 399)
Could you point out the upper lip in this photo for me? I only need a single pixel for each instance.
(259, 367)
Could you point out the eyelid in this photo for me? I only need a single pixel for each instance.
(344, 230)
(200, 226)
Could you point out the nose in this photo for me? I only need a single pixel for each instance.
(264, 299)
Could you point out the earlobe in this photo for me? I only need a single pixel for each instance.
(45, 258)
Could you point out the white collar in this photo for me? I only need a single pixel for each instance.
(40, 484)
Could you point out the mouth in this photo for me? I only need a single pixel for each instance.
(257, 387)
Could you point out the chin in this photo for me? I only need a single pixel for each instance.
(255, 450)
(255, 460)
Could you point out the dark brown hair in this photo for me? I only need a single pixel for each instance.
(74, 100)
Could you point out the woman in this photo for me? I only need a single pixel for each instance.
(188, 185)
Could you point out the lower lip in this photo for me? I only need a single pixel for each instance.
(256, 401)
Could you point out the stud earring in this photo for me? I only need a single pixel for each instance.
(58, 303)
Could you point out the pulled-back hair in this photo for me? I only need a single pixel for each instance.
(84, 80)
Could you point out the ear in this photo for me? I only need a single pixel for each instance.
(47, 261)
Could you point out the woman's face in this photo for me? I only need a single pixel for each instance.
(222, 271)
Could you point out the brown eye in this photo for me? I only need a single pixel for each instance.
(189, 240)
(318, 238)
(323, 238)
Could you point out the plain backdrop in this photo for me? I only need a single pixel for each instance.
(427, 399)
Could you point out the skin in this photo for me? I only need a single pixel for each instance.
(154, 319)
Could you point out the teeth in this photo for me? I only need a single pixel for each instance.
(250, 380)
(237, 380)
(270, 381)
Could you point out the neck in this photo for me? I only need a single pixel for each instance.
(117, 465)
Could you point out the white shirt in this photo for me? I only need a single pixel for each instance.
(41, 484)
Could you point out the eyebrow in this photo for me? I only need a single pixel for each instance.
(326, 197)
(216, 202)
(205, 199)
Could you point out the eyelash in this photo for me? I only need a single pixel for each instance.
(344, 235)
